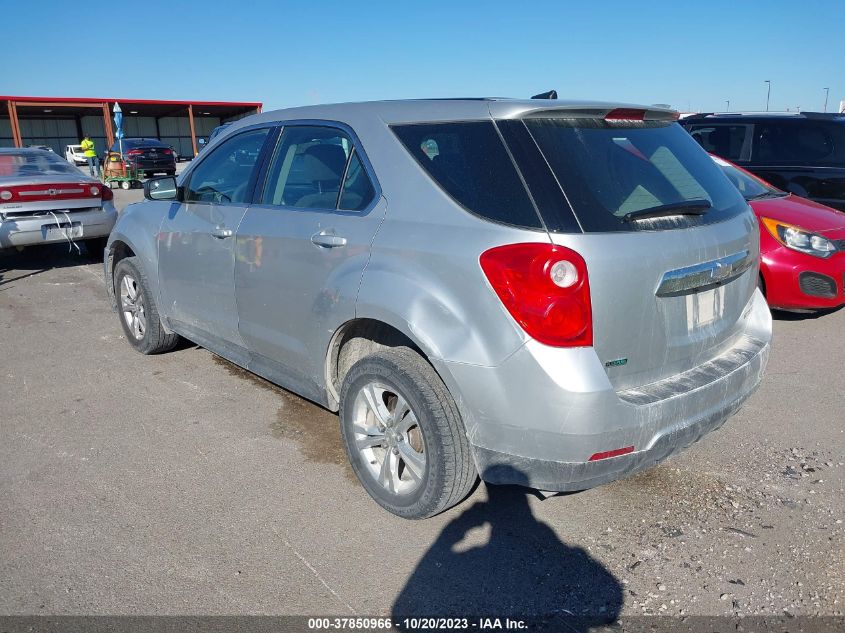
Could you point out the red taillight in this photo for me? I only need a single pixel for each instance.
(546, 290)
(625, 114)
(167, 152)
(106, 193)
(614, 453)
(50, 191)
(134, 152)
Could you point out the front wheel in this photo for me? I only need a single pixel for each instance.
(138, 312)
(404, 436)
(125, 184)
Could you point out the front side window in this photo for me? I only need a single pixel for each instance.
(317, 167)
(612, 173)
(469, 162)
(223, 176)
(731, 142)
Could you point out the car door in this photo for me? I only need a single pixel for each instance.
(196, 244)
(301, 250)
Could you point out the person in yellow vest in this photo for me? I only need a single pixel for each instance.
(91, 154)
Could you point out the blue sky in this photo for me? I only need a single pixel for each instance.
(691, 55)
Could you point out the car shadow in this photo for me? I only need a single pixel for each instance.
(34, 260)
(523, 571)
(785, 315)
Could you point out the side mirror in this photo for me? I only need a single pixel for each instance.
(164, 188)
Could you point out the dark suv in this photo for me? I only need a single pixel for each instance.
(802, 153)
(148, 155)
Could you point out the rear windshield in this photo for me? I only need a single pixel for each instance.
(613, 171)
(750, 187)
(469, 161)
(142, 142)
(34, 164)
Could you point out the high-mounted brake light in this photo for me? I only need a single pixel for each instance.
(638, 114)
(545, 289)
(625, 114)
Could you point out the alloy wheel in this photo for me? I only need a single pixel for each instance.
(388, 438)
(132, 306)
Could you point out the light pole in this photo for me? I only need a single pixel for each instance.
(728, 105)
(768, 92)
(826, 93)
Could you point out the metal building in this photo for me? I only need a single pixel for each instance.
(61, 121)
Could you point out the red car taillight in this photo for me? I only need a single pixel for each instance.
(134, 152)
(51, 191)
(106, 193)
(167, 152)
(546, 290)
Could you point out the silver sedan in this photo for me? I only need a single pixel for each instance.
(43, 199)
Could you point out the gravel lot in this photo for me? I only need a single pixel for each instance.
(179, 484)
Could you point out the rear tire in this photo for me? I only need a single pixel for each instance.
(404, 436)
(138, 312)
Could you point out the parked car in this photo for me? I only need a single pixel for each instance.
(417, 267)
(75, 155)
(217, 131)
(149, 155)
(802, 244)
(43, 199)
(800, 153)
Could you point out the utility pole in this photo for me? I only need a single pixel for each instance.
(826, 93)
(768, 92)
(728, 105)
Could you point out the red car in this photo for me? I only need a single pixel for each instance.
(802, 245)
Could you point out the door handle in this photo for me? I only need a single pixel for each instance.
(328, 240)
(221, 232)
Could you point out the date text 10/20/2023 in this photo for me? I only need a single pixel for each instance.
(417, 624)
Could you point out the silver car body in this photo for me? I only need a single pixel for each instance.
(411, 261)
(58, 204)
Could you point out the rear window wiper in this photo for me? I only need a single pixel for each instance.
(687, 207)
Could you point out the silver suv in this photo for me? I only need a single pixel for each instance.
(550, 293)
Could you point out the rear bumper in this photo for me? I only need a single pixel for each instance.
(32, 230)
(538, 418)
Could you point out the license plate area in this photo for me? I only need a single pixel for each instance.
(62, 231)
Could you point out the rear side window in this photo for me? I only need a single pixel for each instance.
(317, 167)
(732, 142)
(609, 170)
(470, 163)
(798, 142)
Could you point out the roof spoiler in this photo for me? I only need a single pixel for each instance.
(611, 114)
(551, 94)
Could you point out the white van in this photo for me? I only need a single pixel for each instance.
(75, 155)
